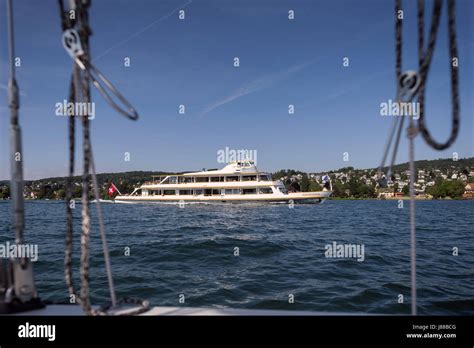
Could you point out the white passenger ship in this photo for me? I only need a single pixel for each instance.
(236, 182)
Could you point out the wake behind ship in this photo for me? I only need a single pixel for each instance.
(237, 182)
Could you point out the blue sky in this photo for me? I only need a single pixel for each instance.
(190, 62)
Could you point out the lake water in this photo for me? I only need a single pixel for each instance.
(191, 251)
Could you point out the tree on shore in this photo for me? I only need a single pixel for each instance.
(314, 186)
(446, 188)
(304, 183)
(5, 192)
(406, 190)
(395, 187)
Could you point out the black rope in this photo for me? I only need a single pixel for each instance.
(398, 75)
(398, 40)
(69, 197)
(396, 122)
(80, 91)
(424, 58)
(84, 32)
(143, 306)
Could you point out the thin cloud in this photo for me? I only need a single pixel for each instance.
(255, 86)
(141, 31)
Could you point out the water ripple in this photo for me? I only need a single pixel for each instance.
(281, 251)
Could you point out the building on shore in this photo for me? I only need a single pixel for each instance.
(469, 190)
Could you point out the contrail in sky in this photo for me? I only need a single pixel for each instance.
(139, 32)
(255, 86)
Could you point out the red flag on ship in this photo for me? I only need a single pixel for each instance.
(112, 189)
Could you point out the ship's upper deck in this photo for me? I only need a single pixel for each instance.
(247, 167)
(232, 172)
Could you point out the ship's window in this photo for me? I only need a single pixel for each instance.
(265, 177)
(265, 190)
(232, 178)
(249, 191)
(185, 179)
(217, 178)
(216, 192)
(169, 192)
(173, 179)
(282, 189)
(198, 192)
(232, 192)
(249, 177)
(157, 192)
(202, 179)
(185, 192)
(207, 192)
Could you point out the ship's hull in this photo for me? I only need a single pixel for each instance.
(301, 197)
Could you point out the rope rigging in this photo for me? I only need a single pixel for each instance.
(409, 85)
(17, 287)
(425, 58)
(76, 33)
(424, 63)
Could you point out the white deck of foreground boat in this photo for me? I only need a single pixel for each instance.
(76, 310)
